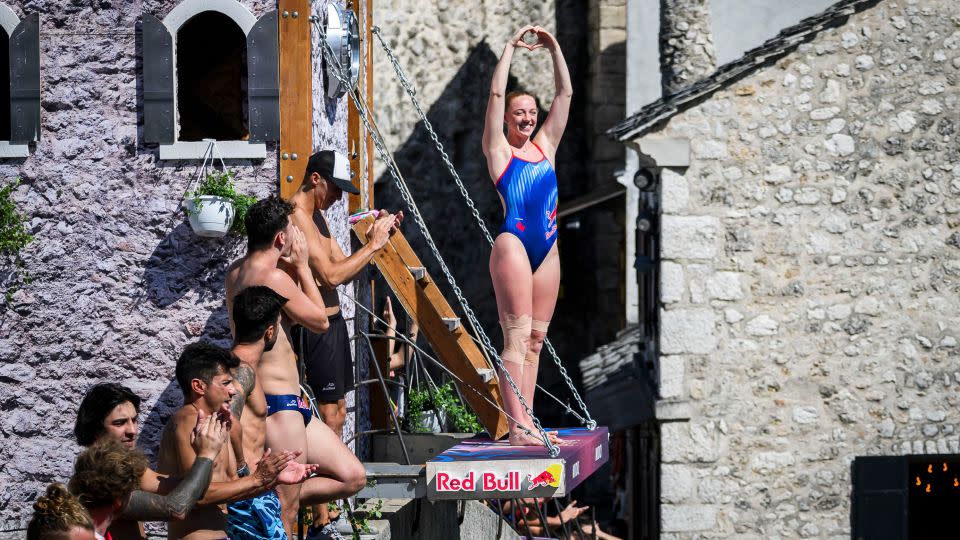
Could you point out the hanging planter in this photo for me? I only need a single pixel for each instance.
(213, 206)
(209, 215)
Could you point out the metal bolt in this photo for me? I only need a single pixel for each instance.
(293, 156)
(286, 14)
(295, 14)
(289, 179)
(413, 482)
(285, 156)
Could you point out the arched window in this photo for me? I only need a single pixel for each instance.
(4, 84)
(210, 71)
(19, 82)
(211, 87)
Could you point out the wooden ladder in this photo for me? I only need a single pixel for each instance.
(421, 297)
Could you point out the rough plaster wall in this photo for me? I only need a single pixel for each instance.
(810, 278)
(121, 284)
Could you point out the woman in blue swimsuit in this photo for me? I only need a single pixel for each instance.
(524, 264)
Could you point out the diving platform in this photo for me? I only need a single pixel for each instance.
(481, 468)
(423, 301)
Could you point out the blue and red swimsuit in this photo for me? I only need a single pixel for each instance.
(529, 192)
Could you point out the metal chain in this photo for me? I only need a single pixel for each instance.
(412, 92)
(377, 138)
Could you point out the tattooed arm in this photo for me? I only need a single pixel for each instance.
(245, 377)
(143, 506)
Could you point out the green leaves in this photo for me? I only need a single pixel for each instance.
(13, 238)
(444, 399)
(220, 184)
(13, 231)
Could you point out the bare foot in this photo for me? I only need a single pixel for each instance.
(521, 438)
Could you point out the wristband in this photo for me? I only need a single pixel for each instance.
(243, 471)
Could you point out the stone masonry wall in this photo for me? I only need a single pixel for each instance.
(121, 284)
(810, 278)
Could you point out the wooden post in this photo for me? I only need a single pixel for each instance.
(360, 145)
(296, 94)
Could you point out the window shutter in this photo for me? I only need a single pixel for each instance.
(25, 81)
(158, 111)
(263, 79)
(879, 498)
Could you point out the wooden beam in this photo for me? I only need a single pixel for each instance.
(296, 94)
(458, 352)
(359, 144)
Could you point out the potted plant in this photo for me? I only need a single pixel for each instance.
(214, 207)
(432, 411)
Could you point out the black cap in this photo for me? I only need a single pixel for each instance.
(332, 166)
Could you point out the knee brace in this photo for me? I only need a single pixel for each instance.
(535, 326)
(516, 337)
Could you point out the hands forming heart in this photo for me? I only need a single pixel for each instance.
(541, 38)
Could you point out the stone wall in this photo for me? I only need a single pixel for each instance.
(810, 278)
(120, 283)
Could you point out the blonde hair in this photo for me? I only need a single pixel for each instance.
(57, 511)
(105, 472)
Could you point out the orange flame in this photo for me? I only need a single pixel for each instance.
(918, 481)
(944, 467)
(930, 468)
(955, 482)
(928, 488)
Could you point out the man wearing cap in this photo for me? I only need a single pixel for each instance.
(329, 368)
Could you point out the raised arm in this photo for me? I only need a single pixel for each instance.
(327, 261)
(245, 377)
(556, 122)
(304, 303)
(495, 145)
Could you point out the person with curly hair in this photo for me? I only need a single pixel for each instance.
(107, 476)
(58, 515)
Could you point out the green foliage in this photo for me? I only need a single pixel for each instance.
(444, 399)
(220, 184)
(13, 238)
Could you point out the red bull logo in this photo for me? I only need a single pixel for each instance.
(488, 482)
(548, 478)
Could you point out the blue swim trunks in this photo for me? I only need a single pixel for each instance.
(288, 402)
(255, 519)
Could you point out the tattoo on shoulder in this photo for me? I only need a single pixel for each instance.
(246, 377)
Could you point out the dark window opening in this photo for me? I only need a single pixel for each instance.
(212, 79)
(4, 86)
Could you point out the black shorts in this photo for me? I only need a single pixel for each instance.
(326, 356)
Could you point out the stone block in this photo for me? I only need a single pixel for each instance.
(762, 325)
(724, 286)
(687, 518)
(709, 149)
(690, 331)
(688, 442)
(771, 462)
(676, 483)
(689, 237)
(674, 192)
(671, 377)
(672, 287)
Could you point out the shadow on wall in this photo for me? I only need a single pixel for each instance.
(151, 428)
(184, 262)
(457, 116)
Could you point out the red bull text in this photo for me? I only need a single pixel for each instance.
(488, 481)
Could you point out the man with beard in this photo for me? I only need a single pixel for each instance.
(256, 325)
(204, 374)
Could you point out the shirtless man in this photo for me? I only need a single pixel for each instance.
(109, 412)
(273, 240)
(256, 326)
(327, 356)
(204, 374)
